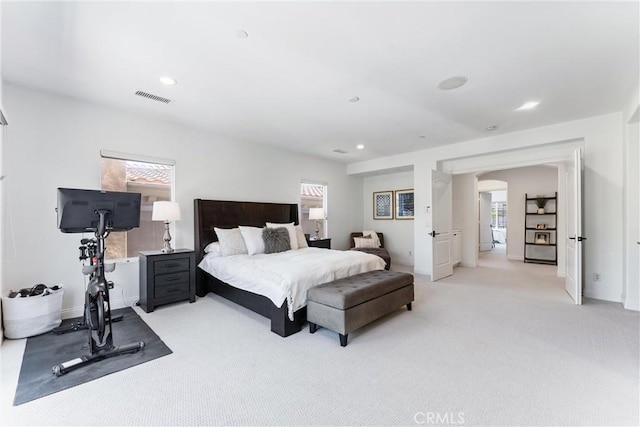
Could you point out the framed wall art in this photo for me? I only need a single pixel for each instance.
(405, 207)
(383, 205)
(542, 238)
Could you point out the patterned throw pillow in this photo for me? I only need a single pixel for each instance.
(231, 241)
(373, 235)
(275, 240)
(365, 242)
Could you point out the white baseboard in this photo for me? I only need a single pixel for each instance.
(599, 295)
(632, 304)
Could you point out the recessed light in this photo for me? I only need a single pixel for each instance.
(167, 80)
(491, 128)
(528, 105)
(354, 99)
(360, 146)
(453, 82)
(242, 34)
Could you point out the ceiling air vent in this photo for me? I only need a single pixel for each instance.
(154, 97)
(340, 151)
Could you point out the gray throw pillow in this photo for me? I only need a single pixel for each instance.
(276, 240)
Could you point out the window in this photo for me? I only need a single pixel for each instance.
(312, 195)
(154, 180)
(499, 214)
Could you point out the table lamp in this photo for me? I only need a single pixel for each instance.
(166, 211)
(316, 214)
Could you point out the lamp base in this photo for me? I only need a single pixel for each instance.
(167, 249)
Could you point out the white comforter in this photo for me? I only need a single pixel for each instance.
(288, 275)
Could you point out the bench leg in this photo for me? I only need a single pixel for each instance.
(343, 339)
(313, 327)
(409, 306)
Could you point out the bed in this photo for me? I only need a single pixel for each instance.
(286, 317)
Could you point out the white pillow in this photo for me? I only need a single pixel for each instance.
(293, 239)
(213, 249)
(302, 241)
(252, 239)
(231, 241)
(365, 242)
(374, 236)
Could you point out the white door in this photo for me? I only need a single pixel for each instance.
(441, 209)
(486, 238)
(573, 280)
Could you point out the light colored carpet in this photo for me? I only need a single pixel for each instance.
(501, 344)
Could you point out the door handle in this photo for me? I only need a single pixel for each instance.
(434, 234)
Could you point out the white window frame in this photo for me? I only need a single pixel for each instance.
(325, 189)
(117, 155)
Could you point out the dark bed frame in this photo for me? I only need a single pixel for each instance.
(229, 214)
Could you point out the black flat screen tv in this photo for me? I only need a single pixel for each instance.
(78, 210)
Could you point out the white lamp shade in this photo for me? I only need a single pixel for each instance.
(165, 211)
(316, 213)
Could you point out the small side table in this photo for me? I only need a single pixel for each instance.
(319, 243)
(166, 277)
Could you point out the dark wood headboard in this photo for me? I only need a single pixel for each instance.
(228, 214)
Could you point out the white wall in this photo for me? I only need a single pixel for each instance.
(1, 184)
(56, 142)
(398, 234)
(632, 198)
(602, 139)
(499, 196)
(532, 180)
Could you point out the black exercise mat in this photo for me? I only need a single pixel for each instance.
(44, 351)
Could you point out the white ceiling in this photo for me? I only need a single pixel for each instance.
(288, 83)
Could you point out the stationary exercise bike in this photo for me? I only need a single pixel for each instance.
(88, 251)
(97, 311)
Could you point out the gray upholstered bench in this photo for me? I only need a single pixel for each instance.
(345, 305)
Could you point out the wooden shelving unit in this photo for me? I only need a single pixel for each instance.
(540, 231)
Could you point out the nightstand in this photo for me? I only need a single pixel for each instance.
(166, 277)
(320, 243)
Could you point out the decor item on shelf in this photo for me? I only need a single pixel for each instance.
(316, 214)
(542, 238)
(540, 203)
(404, 204)
(383, 205)
(166, 211)
(541, 226)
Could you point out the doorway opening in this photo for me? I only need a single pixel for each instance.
(505, 208)
(493, 215)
